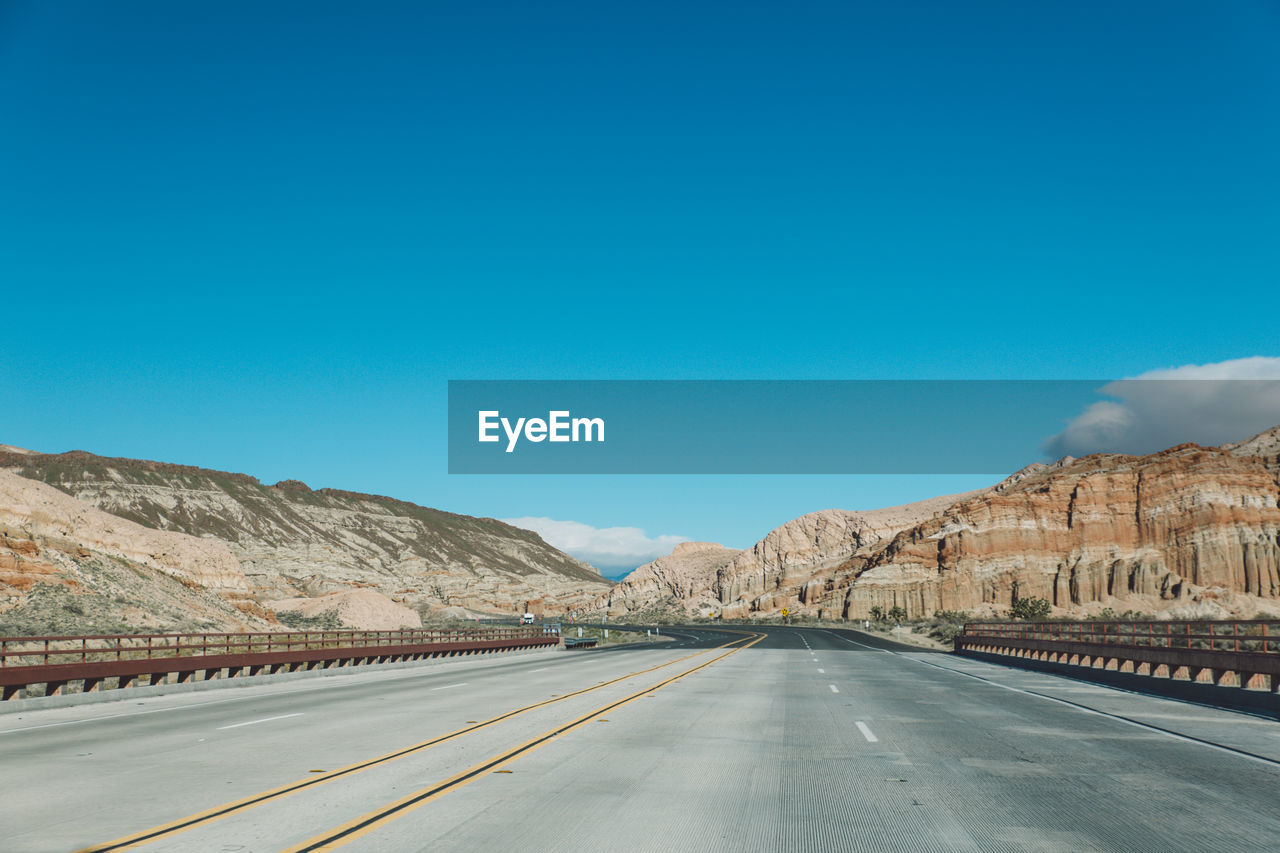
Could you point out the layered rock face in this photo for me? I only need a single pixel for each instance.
(66, 567)
(292, 542)
(1192, 532)
(790, 567)
(793, 566)
(683, 579)
(1189, 524)
(40, 511)
(1265, 447)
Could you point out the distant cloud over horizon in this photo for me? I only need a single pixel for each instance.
(611, 549)
(1220, 402)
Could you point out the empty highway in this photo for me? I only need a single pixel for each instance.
(724, 740)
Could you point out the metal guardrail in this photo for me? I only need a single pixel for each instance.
(1240, 653)
(60, 649)
(1252, 635)
(55, 661)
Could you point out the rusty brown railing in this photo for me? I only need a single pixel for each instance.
(1253, 635)
(54, 650)
(1236, 653)
(124, 658)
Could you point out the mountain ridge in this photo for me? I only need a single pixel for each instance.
(292, 542)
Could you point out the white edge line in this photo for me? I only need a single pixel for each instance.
(150, 710)
(1119, 719)
(266, 694)
(450, 686)
(263, 720)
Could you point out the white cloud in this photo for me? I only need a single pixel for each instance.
(608, 548)
(1211, 404)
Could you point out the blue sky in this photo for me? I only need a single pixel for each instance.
(262, 237)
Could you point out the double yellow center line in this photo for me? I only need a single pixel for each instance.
(193, 821)
(351, 830)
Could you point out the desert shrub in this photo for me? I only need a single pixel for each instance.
(945, 624)
(327, 621)
(951, 615)
(1033, 607)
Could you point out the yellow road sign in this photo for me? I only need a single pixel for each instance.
(786, 612)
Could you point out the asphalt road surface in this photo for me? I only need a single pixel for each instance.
(784, 739)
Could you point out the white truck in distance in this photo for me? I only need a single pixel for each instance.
(526, 619)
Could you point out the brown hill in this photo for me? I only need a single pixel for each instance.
(292, 542)
(69, 568)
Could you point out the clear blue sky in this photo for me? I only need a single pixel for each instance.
(261, 237)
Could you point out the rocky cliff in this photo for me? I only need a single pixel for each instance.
(793, 565)
(678, 584)
(787, 567)
(290, 541)
(1191, 531)
(1265, 447)
(66, 567)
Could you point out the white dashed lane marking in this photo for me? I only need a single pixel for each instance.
(263, 720)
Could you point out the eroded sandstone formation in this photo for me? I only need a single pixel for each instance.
(1115, 531)
(794, 564)
(791, 566)
(1191, 531)
(684, 578)
(67, 567)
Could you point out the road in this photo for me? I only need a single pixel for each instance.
(787, 739)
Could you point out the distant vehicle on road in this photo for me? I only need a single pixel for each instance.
(526, 619)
